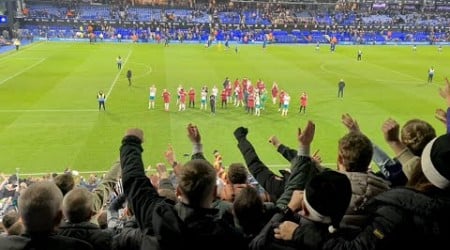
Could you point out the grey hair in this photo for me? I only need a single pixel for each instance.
(40, 206)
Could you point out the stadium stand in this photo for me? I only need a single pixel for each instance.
(365, 22)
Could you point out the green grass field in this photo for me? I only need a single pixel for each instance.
(49, 118)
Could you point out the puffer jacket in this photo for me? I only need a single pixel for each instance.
(89, 232)
(364, 187)
(402, 218)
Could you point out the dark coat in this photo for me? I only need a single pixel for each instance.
(308, 236)
(48, 242)
(89, 232)
(272, 183)
(130, 238)
(402, 218)
(174, 226)
(303, 169)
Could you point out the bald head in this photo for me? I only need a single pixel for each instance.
(40, 207)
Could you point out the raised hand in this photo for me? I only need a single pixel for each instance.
(170, 155)
(240, 133)
(350, 123)
(154, 179)
(274, 141)
(193, 133)
(441, 116)
(316, 157)
(445, 92)
(391, 131)
(162, 171)
(139, 133)
(306, 136)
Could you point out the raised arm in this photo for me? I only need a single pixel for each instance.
(303, 168)
(172, 160)
(136, 186)
(441, 114)
(273, 184)
(350, 123)
(104, 189)
(391, 131)
(195, 138)
(113, 218)
(288, 153)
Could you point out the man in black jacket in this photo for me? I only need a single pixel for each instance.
(189, 224)
(78, 211)
(129, 75)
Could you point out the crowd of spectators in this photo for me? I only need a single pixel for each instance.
(246, 205)
(358, 22)
(199, 205)
(338, 13)
(12, 185)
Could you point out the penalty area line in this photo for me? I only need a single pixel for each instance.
(117, 76)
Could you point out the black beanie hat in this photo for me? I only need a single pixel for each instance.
(327, 197)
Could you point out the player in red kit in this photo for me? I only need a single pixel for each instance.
(223, 98)
(191, 98)
(166, 99)
(182, 102)
(303, 102)
(274, 92)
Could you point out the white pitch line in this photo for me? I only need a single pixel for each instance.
(20, 72)
(20, 51)
(45, 110)
(117, 76)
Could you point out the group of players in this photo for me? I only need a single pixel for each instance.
(240, 93)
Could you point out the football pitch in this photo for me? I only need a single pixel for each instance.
(49, 117)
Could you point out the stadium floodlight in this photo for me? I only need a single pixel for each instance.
(3, 19)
